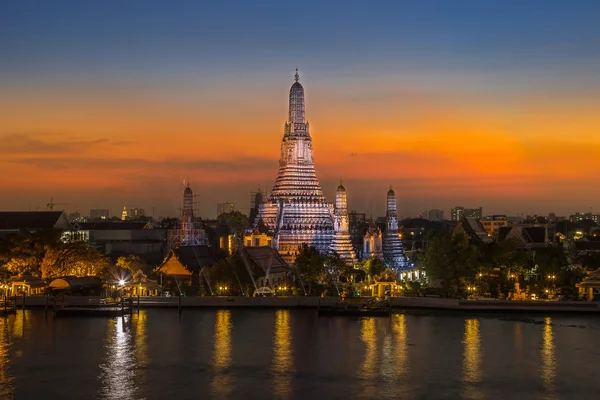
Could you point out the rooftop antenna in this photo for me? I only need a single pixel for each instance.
(297, 76)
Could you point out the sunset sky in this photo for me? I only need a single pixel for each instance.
(476, 103)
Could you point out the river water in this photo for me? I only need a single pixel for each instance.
(293, 354)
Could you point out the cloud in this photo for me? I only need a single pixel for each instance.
(240, 165)
(25, 143)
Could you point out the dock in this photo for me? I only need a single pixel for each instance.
(371, 308)
(7, 307)
(84, 307)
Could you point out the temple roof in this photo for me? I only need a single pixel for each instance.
(33, 220)
(264, 260)
(472, 227)
(172, 266)
(196, 257)
(592, 280)
(534, 234)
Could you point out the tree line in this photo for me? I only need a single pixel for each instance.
(50, 254)
(455, 263)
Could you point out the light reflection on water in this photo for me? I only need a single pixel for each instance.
(141, 346)
(548, 367)
(368, 371)
(6, 380)
(283, 357)
(280, 355)
(222, 382)
(472, 359)
(118, 370)
(400, 345)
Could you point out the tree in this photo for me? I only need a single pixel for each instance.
(25, 251)
(589, 261)
(74, 258)
(338, 268)
(236, 222)
(310, 266)
(550, 260)
(372, 267)
(232, 273)
(131, 263)
(451, 258)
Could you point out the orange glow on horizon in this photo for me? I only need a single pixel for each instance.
(122, 141)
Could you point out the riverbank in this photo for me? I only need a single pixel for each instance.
(510, 306)
(397, 303)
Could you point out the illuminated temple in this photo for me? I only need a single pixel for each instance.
(296, 211)
(393, 251)
(341, 242)
(189, 231)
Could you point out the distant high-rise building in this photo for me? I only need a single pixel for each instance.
(74, 216)
(223, 208)
(459, 211)
(124, 215)
(578, 217)
(99, 213)
(476, 213)
(435, 215)
(136, 213)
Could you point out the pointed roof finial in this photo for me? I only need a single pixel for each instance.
(341, 181)
(297, 76)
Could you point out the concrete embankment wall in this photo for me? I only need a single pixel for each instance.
(494, 305)
(208, 301)
(313, 302)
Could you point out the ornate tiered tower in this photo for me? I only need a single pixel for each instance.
(296, 211)
(189, 231)
(393, 252)
(341, 242)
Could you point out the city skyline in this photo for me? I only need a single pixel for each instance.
(443, 102)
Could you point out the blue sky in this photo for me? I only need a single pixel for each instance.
(37, 36)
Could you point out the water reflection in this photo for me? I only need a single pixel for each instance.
(140, 345)
(6, 380)
(472, 359)
(368, 371)
(118, 371)
(222, 379)
(400, 345)
(548, 368)
(283, 358)
(22, 320)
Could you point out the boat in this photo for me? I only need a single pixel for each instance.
(371, 308)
